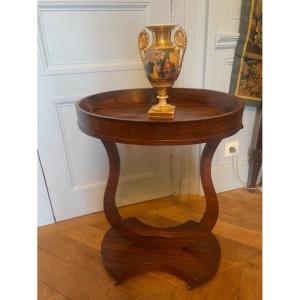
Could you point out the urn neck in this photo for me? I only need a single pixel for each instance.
(161, 38)
(161, 34)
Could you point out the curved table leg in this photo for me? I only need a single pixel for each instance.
(110, 209)
(189, 250)
(211, 213)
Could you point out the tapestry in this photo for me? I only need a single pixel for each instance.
(246, 78)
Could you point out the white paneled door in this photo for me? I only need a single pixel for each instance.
(85, 48)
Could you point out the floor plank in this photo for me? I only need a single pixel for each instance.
(47, 293)
(69, 263)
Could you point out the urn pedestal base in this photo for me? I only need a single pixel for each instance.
(162, 110)
(154, 113)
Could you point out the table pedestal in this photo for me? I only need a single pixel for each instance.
(189, 251)
(195, 264)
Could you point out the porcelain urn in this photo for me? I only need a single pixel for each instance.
(162, 63)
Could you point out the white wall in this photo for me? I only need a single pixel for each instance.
(223, 20)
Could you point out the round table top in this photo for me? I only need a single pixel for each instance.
(122, 116)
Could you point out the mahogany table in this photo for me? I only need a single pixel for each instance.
(130, 247)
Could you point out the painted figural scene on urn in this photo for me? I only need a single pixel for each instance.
(162, 63)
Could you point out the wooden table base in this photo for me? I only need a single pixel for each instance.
(130, 247)
(195, 264)
(189, 250)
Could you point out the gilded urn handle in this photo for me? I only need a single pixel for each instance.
(180, 41)
(143, 43)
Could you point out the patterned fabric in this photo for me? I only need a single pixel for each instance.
(246, 78)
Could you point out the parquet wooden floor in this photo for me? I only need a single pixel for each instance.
(69, 262)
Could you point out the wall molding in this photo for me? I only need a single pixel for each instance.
(74, 187)
(97, 5)
(190, 175)
(226, 40)
(94, 67)
(123, 180)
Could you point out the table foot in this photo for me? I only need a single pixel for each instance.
(194, 264)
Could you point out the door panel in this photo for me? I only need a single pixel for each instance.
(87, 48)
